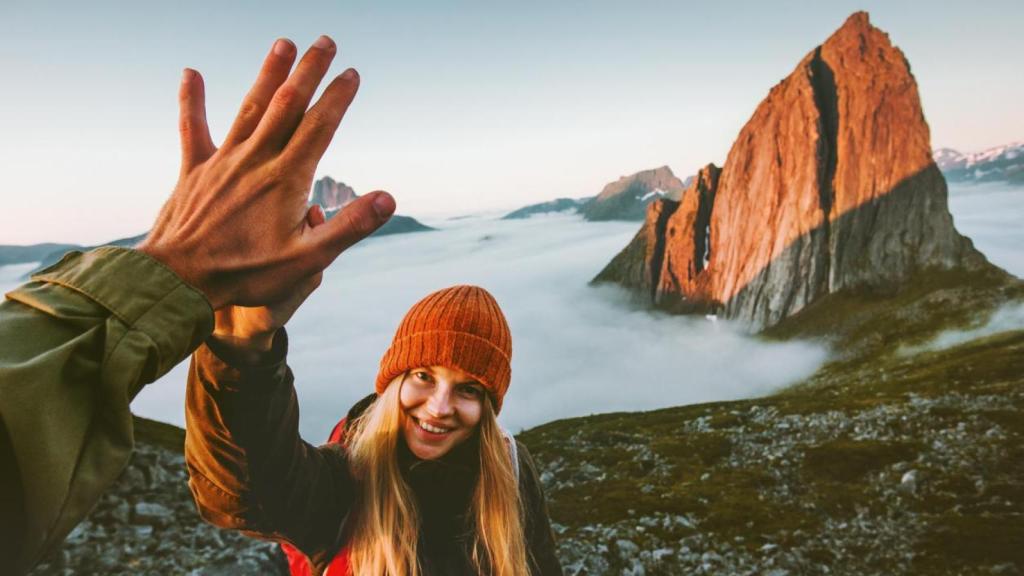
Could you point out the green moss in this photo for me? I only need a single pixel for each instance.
(733, 504)
(1009, 420)
(868, 322)
(726, 420)
(851, 460)
(956, 542)
(160, 434)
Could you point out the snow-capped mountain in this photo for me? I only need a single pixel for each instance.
(1000, 164)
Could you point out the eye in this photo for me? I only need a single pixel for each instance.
(423, 376)
(471, 391)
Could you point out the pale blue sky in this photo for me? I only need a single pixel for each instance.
(463, 106)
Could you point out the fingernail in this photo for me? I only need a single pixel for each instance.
(350, 75)
(324, 43)
(187, 75)
(384, 204)
(283, 47)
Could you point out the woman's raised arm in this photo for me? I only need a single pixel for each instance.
(249, 469)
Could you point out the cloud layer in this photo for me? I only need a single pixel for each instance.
(577, 349)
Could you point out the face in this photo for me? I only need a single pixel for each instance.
(441, 408)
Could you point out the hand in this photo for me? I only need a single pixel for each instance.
(236, 225)
(249, 331)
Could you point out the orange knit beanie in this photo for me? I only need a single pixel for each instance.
(457, 327)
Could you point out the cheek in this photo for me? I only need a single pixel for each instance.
(471, 413)
(408, 397)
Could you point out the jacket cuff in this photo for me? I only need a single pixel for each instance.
(227, 371)
(142, 293)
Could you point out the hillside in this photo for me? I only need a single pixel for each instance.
(886, 461)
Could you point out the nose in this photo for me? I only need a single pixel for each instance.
(440, 403)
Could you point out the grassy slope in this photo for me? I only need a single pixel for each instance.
(828, 455)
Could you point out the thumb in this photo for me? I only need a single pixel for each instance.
(357, 220)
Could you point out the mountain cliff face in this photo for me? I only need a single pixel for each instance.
(331, 195)
(829, 186)
(628, 197)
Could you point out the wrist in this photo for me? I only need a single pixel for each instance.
(256, 341)
(185, 273)
(245, 349)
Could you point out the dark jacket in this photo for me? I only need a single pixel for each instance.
(249, 470)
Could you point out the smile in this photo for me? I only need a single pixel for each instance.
(432, 429)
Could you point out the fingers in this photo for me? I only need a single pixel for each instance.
(318, 125)
(196, 145)
(273, 73)
(355, 221)
(292, 98)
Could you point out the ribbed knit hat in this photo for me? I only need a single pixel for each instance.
(457, 327)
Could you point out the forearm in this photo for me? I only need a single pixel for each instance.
(249, 469)
(79, 342)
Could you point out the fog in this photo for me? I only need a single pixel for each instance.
(1005, 318)
(992, 215)
(577, 349)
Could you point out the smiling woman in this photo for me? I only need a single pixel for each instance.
(441, 408)
(418, 479)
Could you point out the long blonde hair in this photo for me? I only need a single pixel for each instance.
(384, 542)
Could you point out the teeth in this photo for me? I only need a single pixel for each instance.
(430, 428)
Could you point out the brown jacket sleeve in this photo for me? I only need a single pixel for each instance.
(248, 468)
(540, 540)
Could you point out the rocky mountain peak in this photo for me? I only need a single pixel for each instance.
(830, 185)
(331, 195)
(628, 197)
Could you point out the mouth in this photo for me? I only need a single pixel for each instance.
(430, 428)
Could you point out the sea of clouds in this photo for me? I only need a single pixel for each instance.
(578, 349)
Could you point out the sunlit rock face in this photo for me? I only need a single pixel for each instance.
(628, 197)
(830, 185)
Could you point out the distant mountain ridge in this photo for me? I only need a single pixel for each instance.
(333, 196)
(571, 205)
(55, 255)
(14, 254)
(998, 164)
(624, 199)
(330, 194)
(830, 186)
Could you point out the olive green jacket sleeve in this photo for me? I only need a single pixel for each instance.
(77, 343)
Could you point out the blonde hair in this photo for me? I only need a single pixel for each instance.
(384, 542)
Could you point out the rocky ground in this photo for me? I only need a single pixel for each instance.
(146, 524)
(913, 465)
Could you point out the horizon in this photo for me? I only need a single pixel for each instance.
(462, 109)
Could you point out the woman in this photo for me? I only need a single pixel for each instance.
(423, 481)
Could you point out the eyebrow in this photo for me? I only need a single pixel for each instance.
(432, 372)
